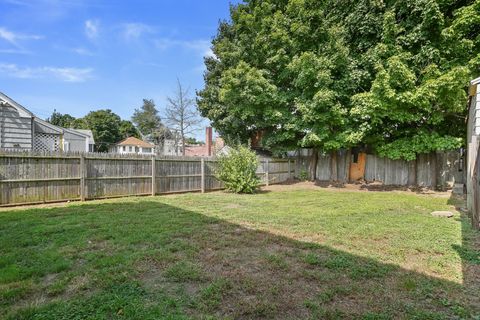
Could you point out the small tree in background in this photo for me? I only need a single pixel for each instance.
(150, 124)
(146, 118)
(182, 114)
(61, 120)
(237, 170)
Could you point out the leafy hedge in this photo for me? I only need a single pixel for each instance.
(238, 169)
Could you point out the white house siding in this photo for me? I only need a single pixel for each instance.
(15, 130)
(74, 142)
(131, 150)
(473, 132)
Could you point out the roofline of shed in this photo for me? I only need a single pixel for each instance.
(49, 125)
(15, 104)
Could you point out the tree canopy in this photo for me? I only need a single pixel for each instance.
(128, 129)
(149, 123)
(61, 120)
(107, 127)
(334, 74)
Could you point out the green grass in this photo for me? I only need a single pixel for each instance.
(290, 253)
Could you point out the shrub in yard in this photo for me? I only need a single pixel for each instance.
(237, 170)
(303, 175)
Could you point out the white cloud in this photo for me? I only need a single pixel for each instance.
(135, 30)
(14, 38)
(92, 29)
(67, 74)
(8, 36)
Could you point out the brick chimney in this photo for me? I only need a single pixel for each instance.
(208, 140)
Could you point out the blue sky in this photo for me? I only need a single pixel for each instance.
(81, 55)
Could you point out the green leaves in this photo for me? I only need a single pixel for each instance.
(336, 74)
(408, 148)
(238, 170)
(246, 92)
(105, 126)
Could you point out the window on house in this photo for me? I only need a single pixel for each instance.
(124, 148)
(130, 148)
(137, 149)
(147, 150)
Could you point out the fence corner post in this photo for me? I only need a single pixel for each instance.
(82, 177)
(289, 170)
(154, 176)
(202, 164)
(267, 178)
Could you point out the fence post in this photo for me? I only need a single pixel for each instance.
(267, 178)
(202, 164)
(289, 170)
(154, 176)
(82, 177)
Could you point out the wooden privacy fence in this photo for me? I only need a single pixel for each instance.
(438, 170)
(27, 178)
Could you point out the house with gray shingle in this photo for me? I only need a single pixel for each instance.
(20, 129)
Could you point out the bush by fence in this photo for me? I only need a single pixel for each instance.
(27, 178)
(237, 170)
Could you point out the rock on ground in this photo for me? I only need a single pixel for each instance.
(446, 214)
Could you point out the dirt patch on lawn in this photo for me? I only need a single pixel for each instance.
(360, 187)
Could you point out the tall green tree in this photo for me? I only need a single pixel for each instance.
(61, 120)
(105, 126)
(146, 118)
(334, 74)
(128, 129)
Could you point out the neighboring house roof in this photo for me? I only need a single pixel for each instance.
(42, 125)
(196, 151)
(132, 141)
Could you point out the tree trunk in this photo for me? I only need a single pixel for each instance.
(415, 172)
(183, 141)
(313, 165)
(333, 166)
(348, 161)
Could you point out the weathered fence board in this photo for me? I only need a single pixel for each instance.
(442, 168)
(37, 178)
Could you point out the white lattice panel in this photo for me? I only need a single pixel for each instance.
(46, 142)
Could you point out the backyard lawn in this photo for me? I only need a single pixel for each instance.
(288, 252)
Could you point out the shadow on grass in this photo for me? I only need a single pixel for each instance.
(469, 251)
(148, 260)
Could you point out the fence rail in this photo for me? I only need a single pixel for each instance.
(29, 178)
(437, 170)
